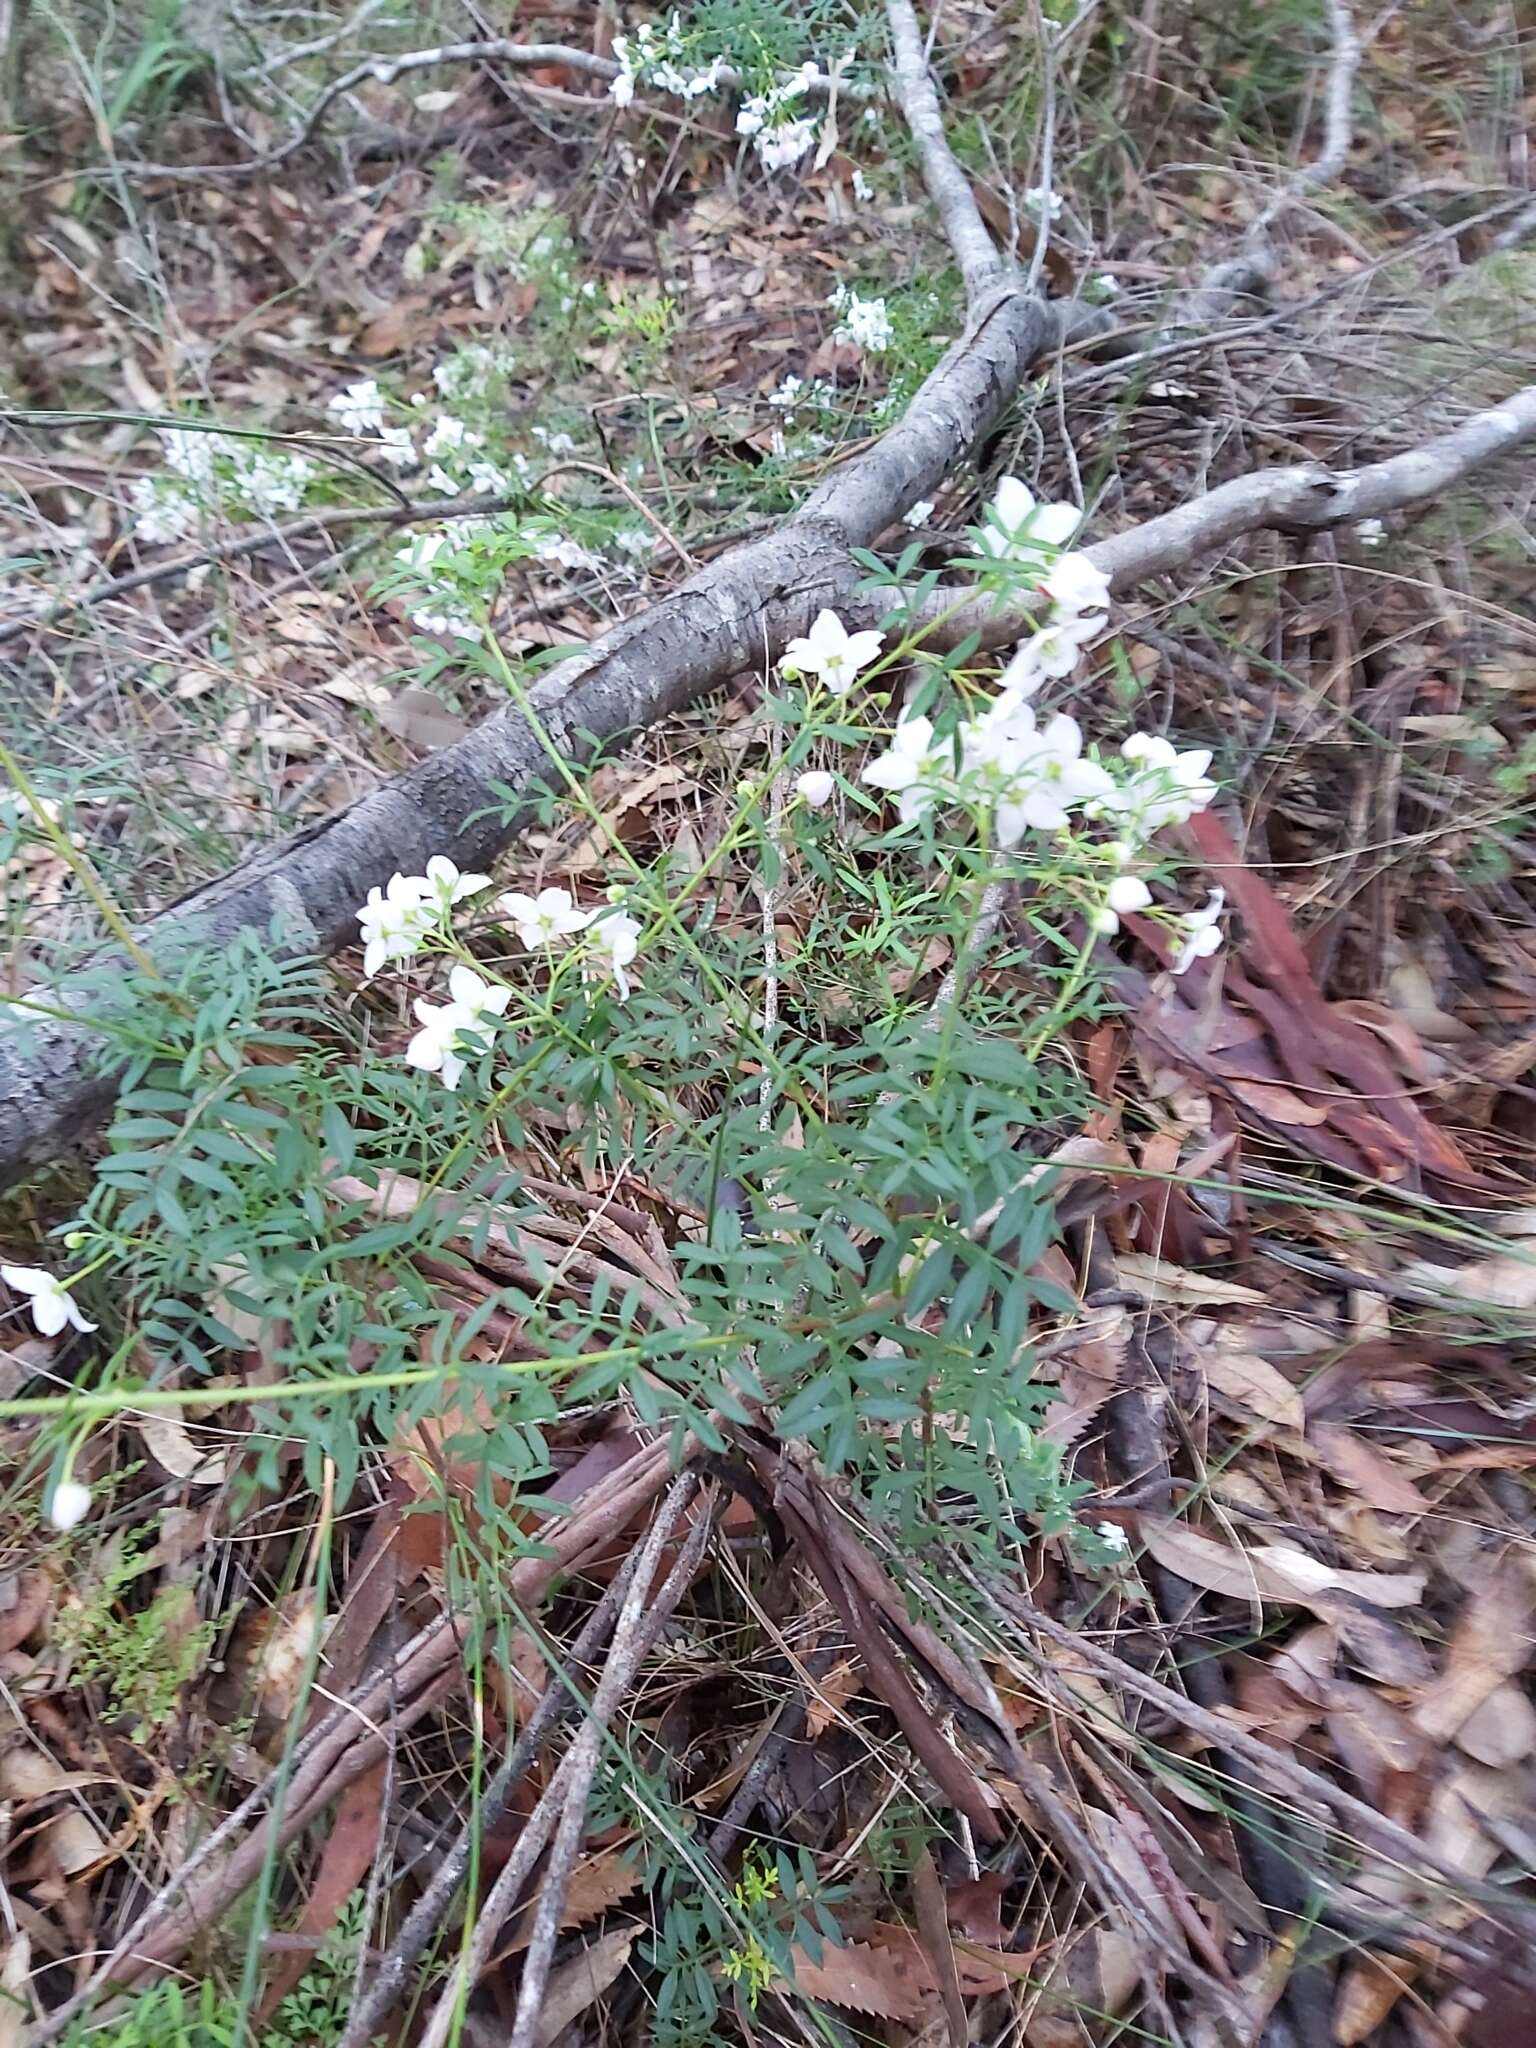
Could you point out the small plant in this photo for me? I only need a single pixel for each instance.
(174, 2015)
(141, 1657)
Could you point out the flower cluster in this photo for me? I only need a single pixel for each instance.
(398, 920)
(780, 133)
(663, 59)
(864, 322)
(203, 471)
(414, 913)
(1023, 772)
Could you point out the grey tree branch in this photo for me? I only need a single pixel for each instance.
(947, 185)
(1338, 128)
(1301, 497)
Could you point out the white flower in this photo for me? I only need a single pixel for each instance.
(397, 449)
(918, 514)
(911, 768)
(779, 148)
(1054, 651)
(270, 481)
(394, 922)
(864, 322)
(1049, 783)
(444, 885)
(1107, 285)
(1127, 893)
(634, 540)
(570, 554)
(1201, 931)
(1076, 584)
(1112, 1536)
(1018, 527)
(490, 478)
(189, 454)
(1166, 788)
(163, 510)
(53, 1306)
(69, 1504)
(359, 407)
(621, 90)
(861, 187)
(1370, 533)
(451, 437)
(545, 919)
(816, 787)
(831, 652)
(1040, 199)
(469, 371)
(458, 625)
(788, 393)
(474, 1006)
(615, 935)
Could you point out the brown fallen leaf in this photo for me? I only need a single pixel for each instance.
(830, 1695)
(1507, 1280)
(1253, 1383)
(862, 1978)
(1501, 1731)
(1365, 1470)
(580, 1982)
(349, 1850)
(1273, 1571)
(1159, 1281)
(1490, 1643)
(1368, 1990)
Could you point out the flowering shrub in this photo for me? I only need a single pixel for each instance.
(879, 1260)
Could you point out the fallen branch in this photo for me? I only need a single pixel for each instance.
(726, 618)
(1299, 498)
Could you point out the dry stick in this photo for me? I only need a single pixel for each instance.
(1394, 1843)
(622, 1656)
(427, 1915)
(947, 185)
(385, 70)
(1338, 129)
(321, 1739)
(329, 1750)
(309, 527)
(637, 1628)
(52, 1090)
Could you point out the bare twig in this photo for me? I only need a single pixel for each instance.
(425, 1920)
(947, 185)
(637, 1626)
(623, 1658)
(1274, 1764)
(1338, 127)
(344, 1744)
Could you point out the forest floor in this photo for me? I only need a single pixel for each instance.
(1188, 1699)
